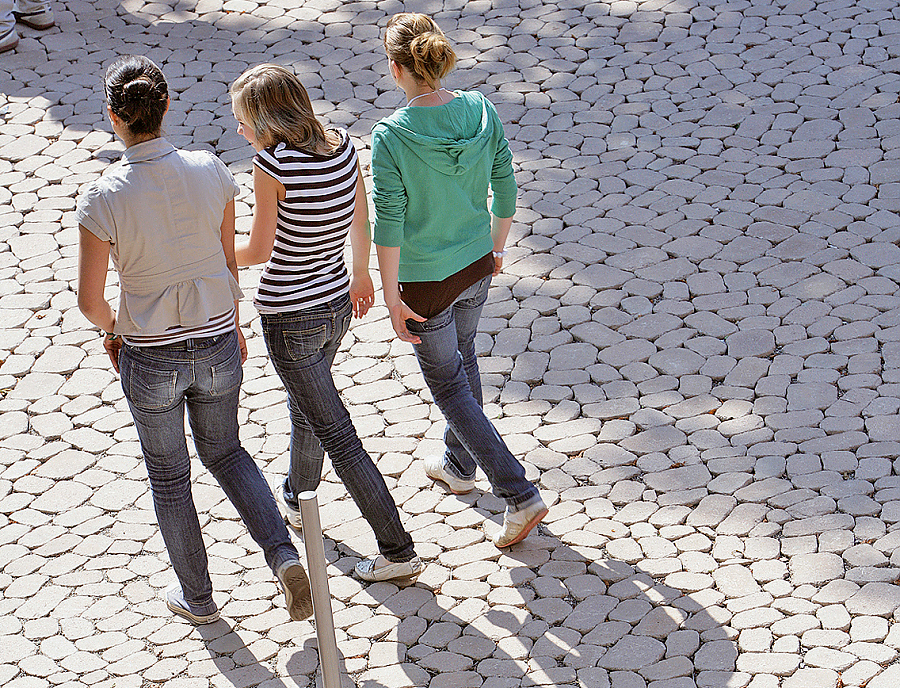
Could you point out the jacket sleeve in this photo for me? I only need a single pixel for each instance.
(503, 182)
(388, 194)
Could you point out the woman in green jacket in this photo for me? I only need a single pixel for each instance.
(438, 246)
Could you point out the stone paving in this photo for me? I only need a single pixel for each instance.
(694, 347)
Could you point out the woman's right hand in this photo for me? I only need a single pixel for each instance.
(113, 346)
(362, 293)
(242, 345)
(400, 313)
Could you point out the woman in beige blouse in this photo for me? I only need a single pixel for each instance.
(166, 217)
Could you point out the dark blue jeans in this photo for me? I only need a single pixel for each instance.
(447, 357)
(205, 376)
(302, 345)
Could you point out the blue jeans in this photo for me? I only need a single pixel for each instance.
(447, 357)
(302, 345)
(205, 375)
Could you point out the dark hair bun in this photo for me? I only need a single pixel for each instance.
(138, 89)
(136, 92)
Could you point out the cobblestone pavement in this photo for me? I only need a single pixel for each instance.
(694, 348)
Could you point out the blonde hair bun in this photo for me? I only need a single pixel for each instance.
(415, 42)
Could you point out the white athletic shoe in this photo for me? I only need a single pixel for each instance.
(517, 524)
(378, 569)
(434, 469)
(9, 39)
(35, 13)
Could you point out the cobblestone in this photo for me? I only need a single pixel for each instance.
(693, 343)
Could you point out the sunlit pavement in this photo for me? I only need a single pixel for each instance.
(694, 348)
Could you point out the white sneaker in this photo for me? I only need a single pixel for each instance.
(35, 13)
(434, 469)
(9, 40)
(517, 524)
(379, 569)
(176, 603)
(295, 584)
(291, 512)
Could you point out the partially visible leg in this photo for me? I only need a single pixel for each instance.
(305, 469)
(154, 390)
(442, 366)
(297, 344)
(307, 455)
(466, 314)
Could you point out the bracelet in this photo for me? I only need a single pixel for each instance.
(499, 254)
(110, 336)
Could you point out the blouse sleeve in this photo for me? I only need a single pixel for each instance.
(388, 194)
(94, 214)
(229, 185)
(266, 161)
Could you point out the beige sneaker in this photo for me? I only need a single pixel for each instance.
(434, 469)
(176, 603)
(9, 39)
(35, 13)
(295, 584)
(517, 524)
(379, 569)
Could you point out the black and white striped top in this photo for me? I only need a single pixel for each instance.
(307, 266)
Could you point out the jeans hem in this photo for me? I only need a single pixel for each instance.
(282, 555)
(202, 609)
(400, 561)
(450, 466)
(524, 501)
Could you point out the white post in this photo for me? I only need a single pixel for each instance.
(321, 596)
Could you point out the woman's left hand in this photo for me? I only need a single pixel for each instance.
(400, 313)
(362, 294)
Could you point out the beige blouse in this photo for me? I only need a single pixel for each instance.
(161, 210)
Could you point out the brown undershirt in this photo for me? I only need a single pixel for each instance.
(430, 298)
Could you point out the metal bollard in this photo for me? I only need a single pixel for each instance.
(321, 596)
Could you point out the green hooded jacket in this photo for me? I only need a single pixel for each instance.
(431, 168)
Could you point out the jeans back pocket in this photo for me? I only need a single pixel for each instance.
(307, 342)
(146, 387)
(228, 374)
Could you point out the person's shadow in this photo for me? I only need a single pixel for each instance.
(543, 611)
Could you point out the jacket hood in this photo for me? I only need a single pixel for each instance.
(447, 155)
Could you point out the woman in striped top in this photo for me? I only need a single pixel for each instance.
(309, 195)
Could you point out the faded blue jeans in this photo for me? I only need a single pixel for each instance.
(302, 346)
(205, 376)
(446, 355)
